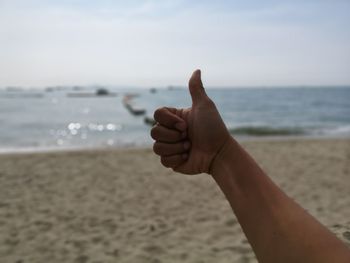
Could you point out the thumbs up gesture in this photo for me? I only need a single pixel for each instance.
(189, 140)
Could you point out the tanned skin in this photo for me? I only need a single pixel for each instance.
(195, 140)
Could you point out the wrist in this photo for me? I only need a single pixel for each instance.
(224, 156)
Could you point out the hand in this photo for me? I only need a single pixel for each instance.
(188, 140)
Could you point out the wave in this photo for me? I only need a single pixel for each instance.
(267, 131)
(340, 130)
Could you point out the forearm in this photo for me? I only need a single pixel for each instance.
(274, 224)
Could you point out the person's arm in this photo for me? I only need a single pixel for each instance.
(278, 229)
(195, 140)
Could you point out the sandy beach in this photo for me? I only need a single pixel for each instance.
(123, 206)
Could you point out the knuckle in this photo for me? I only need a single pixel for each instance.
(154, 133)
(156, 148)
(157, 113)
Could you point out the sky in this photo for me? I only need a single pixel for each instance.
(160, 42)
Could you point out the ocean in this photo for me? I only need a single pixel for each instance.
(53, 118)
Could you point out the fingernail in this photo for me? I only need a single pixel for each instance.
(183, 135)
(187, 145)
(181, 126)
(185, 156)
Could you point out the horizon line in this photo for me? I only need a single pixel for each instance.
(172, 86)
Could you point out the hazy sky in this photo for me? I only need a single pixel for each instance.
(146, 43)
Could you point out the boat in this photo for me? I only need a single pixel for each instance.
(98, 93)
(149, 120)
(127, 101)
(134, 110)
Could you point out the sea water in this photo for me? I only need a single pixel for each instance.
(50, 119)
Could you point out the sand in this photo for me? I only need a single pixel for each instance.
(122, 206)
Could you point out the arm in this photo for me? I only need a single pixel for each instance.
(195, 140)
(278, 229)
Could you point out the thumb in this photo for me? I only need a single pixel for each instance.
(196, 87)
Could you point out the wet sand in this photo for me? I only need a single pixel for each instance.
(122, 206)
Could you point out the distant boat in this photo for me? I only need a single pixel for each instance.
(129, 96)
(135, 111)
(174, 87)
(99, 93)
(102, 92)
(153, 90)
(150, 121)
(127, 101)
(49, 89)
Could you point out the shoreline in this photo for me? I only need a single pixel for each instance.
(240, 139)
